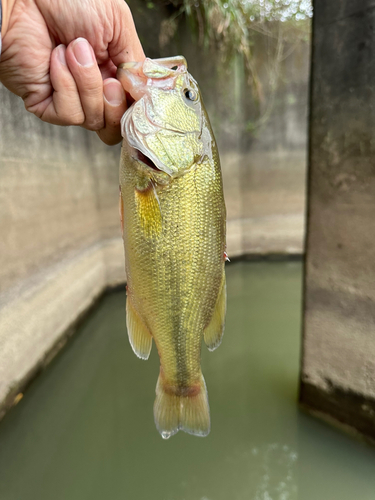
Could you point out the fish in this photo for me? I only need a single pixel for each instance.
(174, 223)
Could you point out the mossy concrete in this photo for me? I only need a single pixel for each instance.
(338, 369)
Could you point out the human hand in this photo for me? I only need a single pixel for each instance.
(61, 56)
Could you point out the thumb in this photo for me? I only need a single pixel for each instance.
(125, 45)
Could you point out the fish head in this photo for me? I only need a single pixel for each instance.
(167, 123)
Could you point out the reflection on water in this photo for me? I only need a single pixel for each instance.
(85, 429)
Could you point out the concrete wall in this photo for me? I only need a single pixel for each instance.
(338, 371)
(60, 240)
(262, 137)
(60, 235)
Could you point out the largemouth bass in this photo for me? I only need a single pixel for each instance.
(173, 213)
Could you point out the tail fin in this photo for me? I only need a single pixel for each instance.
(189, 413)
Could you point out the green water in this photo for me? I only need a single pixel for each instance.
(85, 429)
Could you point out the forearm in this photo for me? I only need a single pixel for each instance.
(7, 7)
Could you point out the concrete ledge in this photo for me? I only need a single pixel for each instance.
(35, 324)
(267, 235)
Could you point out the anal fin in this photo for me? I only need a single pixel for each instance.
(139, 337)
(213, 333)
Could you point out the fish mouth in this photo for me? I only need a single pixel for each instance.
(134, 76)
(145, 159)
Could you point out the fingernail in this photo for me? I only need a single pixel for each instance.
(113, 93)
(83, 52)
(60, 49)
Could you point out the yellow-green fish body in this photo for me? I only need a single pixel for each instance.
(174, 235)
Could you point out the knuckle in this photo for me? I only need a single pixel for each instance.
(89, 80)
(123, 7)
(32, 107)
(126, 9)
(73, 118)
(77, 119)
(71, 115)
(92, 89)
(95, 124)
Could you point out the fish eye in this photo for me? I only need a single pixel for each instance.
(175, 68)
(191, 94)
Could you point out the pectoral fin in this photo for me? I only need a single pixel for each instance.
(148, 209)
(139, 337)
(213, 333)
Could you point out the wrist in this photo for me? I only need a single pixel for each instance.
(7, 7)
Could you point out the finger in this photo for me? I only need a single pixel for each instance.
(114, 108)
(82, 64)
(125, 45)
(63, 107)
(108, 69)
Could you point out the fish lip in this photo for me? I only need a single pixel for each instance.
(128, 65)
(135, 76)
(170, 65)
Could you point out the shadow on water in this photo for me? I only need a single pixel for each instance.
(85, 428)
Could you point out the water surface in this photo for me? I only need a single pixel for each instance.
(85, 430)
